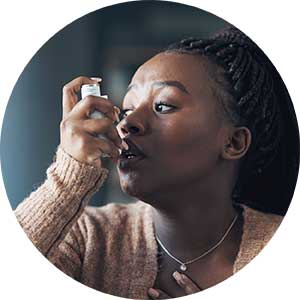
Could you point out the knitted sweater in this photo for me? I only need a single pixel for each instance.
(110, 248)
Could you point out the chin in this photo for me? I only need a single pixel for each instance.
(130, 185)
(135, 185)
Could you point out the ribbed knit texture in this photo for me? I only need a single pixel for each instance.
(110, 248)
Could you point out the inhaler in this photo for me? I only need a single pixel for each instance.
(94, 90)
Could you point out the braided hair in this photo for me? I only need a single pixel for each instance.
(253, 95)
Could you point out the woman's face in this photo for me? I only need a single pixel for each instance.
(181, 137)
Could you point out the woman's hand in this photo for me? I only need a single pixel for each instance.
(183, 280)
(79, 133)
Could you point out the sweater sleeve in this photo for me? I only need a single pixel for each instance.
(49, 214)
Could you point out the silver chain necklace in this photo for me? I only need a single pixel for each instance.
(183, 266)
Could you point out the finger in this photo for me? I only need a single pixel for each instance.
(106, 146)
(117, 113)
(87, 149)
(70, 89)
(91, 103)
(158, 294)
(186, 283)
(101, 126)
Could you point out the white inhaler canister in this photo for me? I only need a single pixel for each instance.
(94, 90)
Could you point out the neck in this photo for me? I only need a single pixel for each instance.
(192, 220)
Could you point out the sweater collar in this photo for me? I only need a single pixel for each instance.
(146, 280)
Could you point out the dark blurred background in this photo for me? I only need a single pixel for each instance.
(109, 43)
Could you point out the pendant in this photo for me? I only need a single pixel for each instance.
(183, 267)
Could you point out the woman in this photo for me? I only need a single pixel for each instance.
(201, 126)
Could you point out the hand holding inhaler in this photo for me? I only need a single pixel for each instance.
(84, 135)
(93, 89)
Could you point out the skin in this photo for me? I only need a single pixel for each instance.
(78, 133)
(192, 156)
(191, 150)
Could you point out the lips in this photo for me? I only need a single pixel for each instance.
(130, 157)
(134, 151)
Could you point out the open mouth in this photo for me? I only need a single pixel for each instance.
(132, 155)
(128, 155)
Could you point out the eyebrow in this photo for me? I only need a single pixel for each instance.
(164, 84)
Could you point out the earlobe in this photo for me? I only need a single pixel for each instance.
(238, 145)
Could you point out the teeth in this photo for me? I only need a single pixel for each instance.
(127, 154)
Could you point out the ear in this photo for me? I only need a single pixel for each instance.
(237, 143)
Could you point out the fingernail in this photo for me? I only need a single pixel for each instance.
(153, 292)
(120, 151)
(98, 79)
(117, 117)
(177, 275)
(116, 113)
(124, 145)
(117, 109)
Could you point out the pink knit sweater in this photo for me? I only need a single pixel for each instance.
(111, 248)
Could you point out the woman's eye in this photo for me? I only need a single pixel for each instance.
(159, 106)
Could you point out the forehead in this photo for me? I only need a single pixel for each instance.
(190, 70)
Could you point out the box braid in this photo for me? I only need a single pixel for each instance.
(246, 89)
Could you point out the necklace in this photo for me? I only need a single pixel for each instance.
(183, 266)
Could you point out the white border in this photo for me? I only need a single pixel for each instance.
(25, 26)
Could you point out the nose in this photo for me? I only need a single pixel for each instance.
(131, 125)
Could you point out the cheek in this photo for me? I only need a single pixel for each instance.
(189, 134)
(191, 143)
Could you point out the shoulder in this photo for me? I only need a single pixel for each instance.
(258, 228)
(259, 225)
